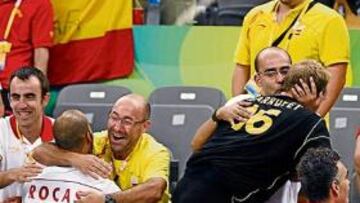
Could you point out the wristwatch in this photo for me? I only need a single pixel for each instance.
(109, 199)
(213, 116)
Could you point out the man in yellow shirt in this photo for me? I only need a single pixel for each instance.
(140, 164)
(306, 30)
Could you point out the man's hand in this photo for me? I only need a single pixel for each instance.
(90, 196)
(13, 200)
(25, 173)
(307, 96)
(92, 166)
(234, 112)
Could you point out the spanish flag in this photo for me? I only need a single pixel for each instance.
(93, 41)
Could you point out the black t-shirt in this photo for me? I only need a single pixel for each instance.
(255, 158)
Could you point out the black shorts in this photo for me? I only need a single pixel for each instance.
(202, 185)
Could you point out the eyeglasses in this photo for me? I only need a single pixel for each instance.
(272, 72)
(126, 121)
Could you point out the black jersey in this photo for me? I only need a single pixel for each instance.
(255, 158)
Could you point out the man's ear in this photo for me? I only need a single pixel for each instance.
(335, 189)
(146, 125)
(257, 79)
(46, 99)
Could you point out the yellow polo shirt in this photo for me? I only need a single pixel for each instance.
(149, 159)
(319, 34)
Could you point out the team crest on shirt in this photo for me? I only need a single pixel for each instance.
(298, 28)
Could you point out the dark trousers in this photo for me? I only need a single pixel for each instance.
(201, 186)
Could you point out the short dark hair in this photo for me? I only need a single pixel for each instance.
(26, 72)
(256, 62)
(70, 130)
(304, 70)
(317, 170)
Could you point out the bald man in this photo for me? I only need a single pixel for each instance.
(141, 165)
(71, 132)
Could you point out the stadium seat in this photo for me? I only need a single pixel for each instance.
(186, 95)
(232, 12)
(344, 119)
(175, 126)
(95, 100)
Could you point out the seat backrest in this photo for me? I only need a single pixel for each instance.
(344, 119)
(94, 100)
(187, 95)
(91, 93)
(232, 12)
(175, 126)
(240, 3)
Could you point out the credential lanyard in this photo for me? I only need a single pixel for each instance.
(14, 11)
(305, 10)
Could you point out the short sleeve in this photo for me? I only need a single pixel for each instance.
(335, 44)
(42, 25)
(242, 52)
(318, 137)
(158, 165)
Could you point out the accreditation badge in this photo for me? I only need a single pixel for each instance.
(5, 48)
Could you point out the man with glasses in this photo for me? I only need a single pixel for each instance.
(140, 164)
(324, 178)
(248, 161)
(272, 65)
(306, 30)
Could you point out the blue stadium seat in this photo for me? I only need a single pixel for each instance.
(95, 100)
(175, 126)
(188, 95)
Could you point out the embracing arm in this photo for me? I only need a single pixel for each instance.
(203, 134)
(49, 154)
(235, 111)
(334, 87)
(357, 156)
(240, 77)
(21, 174)
(148, 192)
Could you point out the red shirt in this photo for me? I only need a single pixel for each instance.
(32, 28)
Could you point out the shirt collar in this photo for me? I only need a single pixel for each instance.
(293, 11)
(46, 130)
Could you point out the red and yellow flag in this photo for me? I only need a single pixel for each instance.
(93, 41)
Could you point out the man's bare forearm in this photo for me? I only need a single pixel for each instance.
(334, 87)
(203, 134)
(6, 178)
(240, 77)
(357, 156)
(150, 191)
(51, 155)
(41, 58)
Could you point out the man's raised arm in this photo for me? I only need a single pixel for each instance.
(51, 155)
